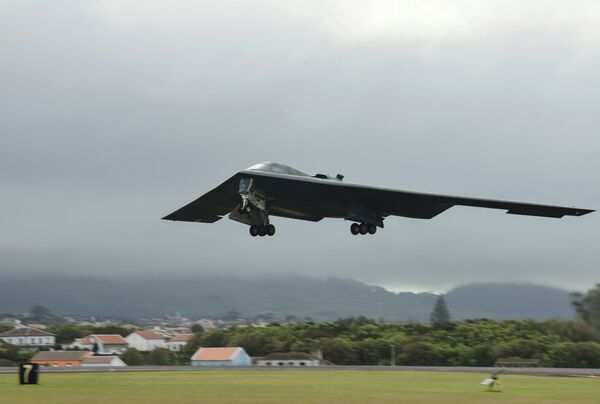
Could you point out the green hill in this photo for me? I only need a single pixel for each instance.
(320, 299)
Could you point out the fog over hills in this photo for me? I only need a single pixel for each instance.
(319, 299)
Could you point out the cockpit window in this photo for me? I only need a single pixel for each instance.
(277, 168)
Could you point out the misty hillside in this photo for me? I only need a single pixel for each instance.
(320, 299)
(509, 301)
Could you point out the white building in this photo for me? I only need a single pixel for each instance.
(145, 341)
(83, 344)
(288, 359)
(206, 324)
(109, 343)
(230, 356)
(102, 361)
(15, 322)
(27, 336)
(177, 342)
(75, 359)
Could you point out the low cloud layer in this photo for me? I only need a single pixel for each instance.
(115, 113)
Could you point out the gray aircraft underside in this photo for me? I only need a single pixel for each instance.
(269, 189)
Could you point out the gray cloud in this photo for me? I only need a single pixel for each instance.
(113, 114)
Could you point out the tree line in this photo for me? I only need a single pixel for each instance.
(360, 341)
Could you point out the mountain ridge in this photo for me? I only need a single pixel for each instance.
(303, 296)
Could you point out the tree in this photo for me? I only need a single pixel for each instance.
(193, 344)
(340, 351)
(214, 338)
(196, 328)
(132, 357)
(420, 354)
(440, 315)
(68, 332)
(162, 357)
(587, 306)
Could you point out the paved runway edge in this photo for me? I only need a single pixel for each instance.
(508, 371)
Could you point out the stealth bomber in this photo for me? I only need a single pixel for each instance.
(254, 195)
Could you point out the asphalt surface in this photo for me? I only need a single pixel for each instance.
(512, 371)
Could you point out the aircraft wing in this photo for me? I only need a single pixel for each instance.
(310, 198)
(211, 206)
(426, 206)
(330, 198)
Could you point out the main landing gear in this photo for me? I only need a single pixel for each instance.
(362, 228)
(264, 230)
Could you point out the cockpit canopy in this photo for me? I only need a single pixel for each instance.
(281, 168)
(277, 168)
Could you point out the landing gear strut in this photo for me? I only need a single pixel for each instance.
(262, 230)
(244, 207)
(362, 228)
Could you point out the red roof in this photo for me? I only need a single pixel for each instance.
(26, 332)
(98, 359)
(149, 334)
(181, 337)
(110, 339)
(60, 355)
(215, 354)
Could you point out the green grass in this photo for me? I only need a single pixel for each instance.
(294, 387)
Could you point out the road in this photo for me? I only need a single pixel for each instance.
(513, 371)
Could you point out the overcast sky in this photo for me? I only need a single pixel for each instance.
(116, 113)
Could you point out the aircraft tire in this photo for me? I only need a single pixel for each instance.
(270, 230)
(372, 229)
(254, 231)
(262, 231)
(364, 228)
(354, 228)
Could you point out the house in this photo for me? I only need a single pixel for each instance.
(178, 330)
(60, 358)
(109, 343)
(102, 361)
(82, 344)
(27, 336)
(288, 359)
(36, 325)
(177, 342)
(15, 322)
(232, 356)
(146, 340)
(75, 359)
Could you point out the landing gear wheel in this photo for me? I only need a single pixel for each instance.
(262, 231)
(363, 228)
(354, 228)
(270, 230)
(372, 229)
(254, 231)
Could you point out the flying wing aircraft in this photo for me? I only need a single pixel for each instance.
(253, 195)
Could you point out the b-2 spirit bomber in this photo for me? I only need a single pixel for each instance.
(253, 195)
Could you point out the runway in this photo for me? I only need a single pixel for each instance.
(507, 371)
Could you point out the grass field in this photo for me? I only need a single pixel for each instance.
(294, 387)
